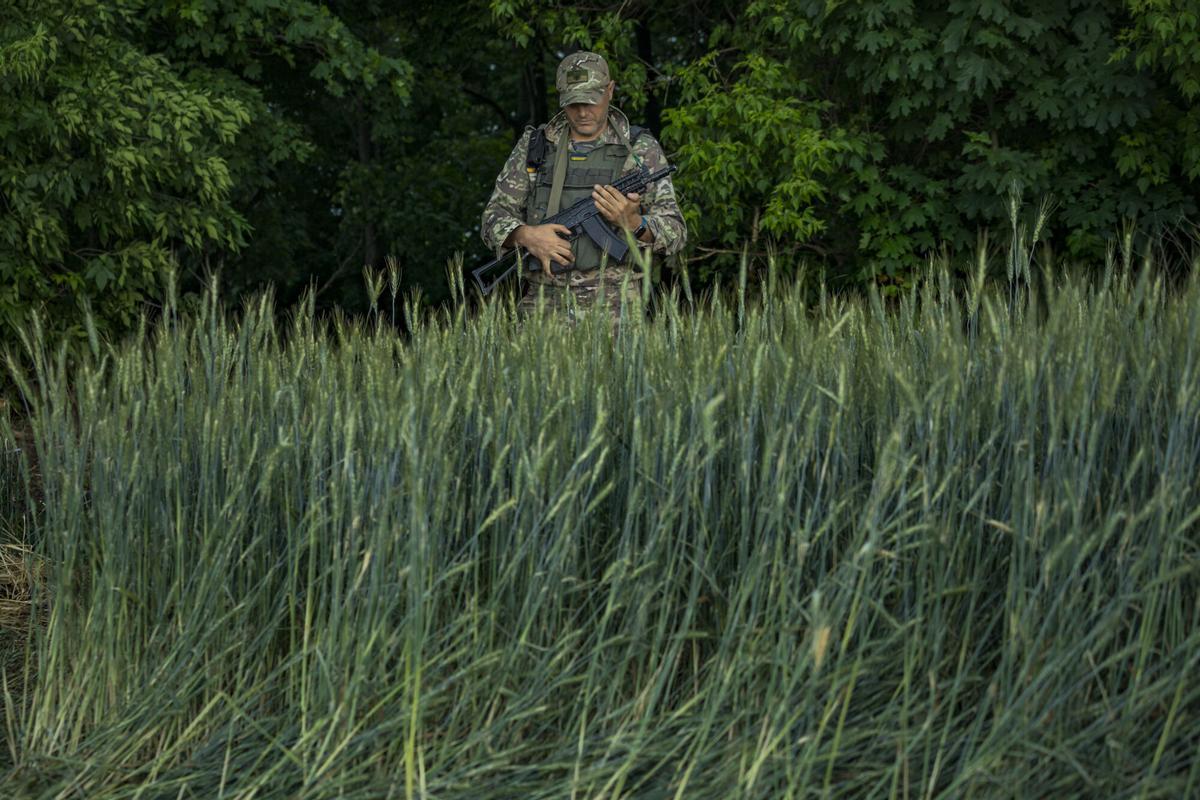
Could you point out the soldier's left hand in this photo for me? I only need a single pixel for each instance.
(623, 211)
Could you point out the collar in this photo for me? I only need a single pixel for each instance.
(617, 130)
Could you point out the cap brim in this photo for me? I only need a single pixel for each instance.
(591, 98)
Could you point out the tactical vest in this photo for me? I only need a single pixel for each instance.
(602, 165)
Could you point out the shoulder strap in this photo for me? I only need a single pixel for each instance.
(634, 132)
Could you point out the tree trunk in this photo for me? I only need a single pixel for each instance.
(653, 116)
(370, 238)
(535, 84)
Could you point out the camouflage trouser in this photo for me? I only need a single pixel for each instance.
(572, 293)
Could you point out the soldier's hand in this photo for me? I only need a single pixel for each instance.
(546, 244)
(622, 211)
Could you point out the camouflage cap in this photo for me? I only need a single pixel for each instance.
(582, 78)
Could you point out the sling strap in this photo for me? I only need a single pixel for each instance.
(560, 172)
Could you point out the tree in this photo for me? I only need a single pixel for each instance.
(111, 159)
(920, 118)
(389, 175)
(134, 134)
(1164, 37)
(759, 154)
(975, 97)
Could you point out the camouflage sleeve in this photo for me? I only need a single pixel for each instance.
(661, 209)
(505, 210)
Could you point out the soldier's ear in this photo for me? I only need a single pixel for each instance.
(608, 93)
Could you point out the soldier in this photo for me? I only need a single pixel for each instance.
(599, 145)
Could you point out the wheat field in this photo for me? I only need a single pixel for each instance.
(942, 545)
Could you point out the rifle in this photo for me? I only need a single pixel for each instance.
(581, 217)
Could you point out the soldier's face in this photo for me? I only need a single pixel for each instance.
(587, 120)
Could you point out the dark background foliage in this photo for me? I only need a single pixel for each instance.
(290, 143)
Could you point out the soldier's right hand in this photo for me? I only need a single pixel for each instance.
(546, 244)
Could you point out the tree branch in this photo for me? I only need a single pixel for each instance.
(492, 104)
(341, 270)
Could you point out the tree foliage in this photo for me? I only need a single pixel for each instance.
(133, 129)
(292, 142)
(757, 154)
(111, 158)
(1165, 34)
(979, 96)
(930, 114)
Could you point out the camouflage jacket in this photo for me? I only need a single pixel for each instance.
(505, 210)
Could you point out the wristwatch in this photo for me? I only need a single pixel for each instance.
(641, 228)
